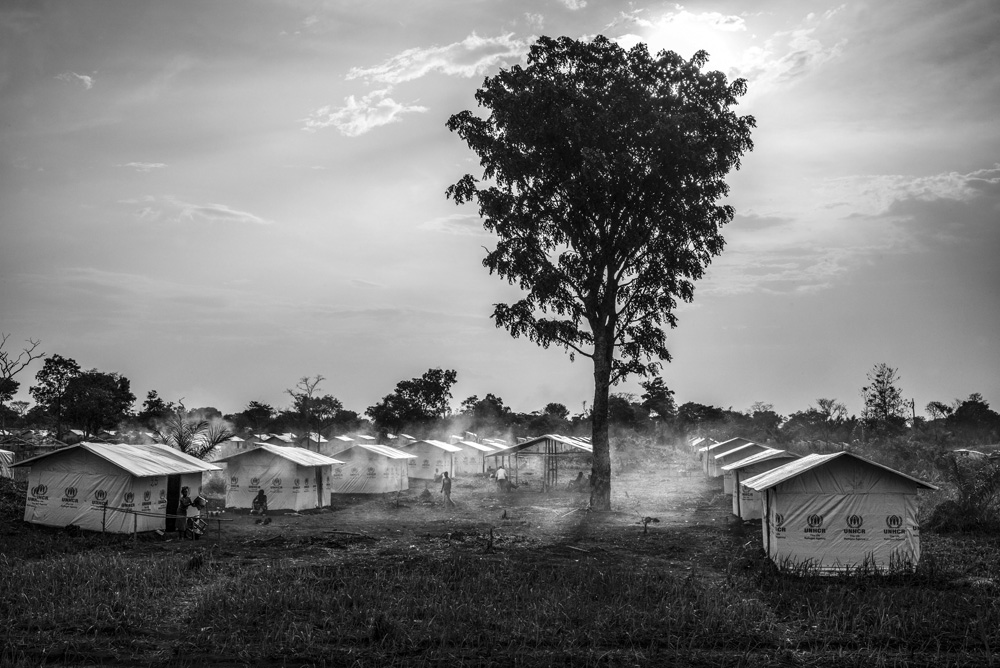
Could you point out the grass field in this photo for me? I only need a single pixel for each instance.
(523, 579)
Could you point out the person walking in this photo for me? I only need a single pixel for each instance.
(446, 489)
(501, 479)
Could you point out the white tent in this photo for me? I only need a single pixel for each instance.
(6, 460)
(472, 459)
(72, 485)
(370, 469)
(734, 455)
(708, 453)
(746, 502)
(838, 511)
(292, 478)
(431, 458)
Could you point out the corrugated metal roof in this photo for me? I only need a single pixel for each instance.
(779, 475)
(152, 459)
(735, 452)
(739, 440)
(763, 456)
(565, 440)
(300, 456)
(384, 450)
(476, 446)
(346, 439)
(447, 447)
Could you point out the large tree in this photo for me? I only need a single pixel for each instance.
(415, 402)
(95, 400)
(53, 380)
(603, 169)
(885, 411)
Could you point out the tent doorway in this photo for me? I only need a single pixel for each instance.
(173, 497)
(319, 487)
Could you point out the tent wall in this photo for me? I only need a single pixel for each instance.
(366, 472)
(74, 488)
(288, 485)
(734, 456)
(747, 503)
(713, 466)
(469, 461)
(837, 531)
(431, 461)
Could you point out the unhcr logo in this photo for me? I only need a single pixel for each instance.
(128, 499)
(147, 496)
(234, 481)
(815, 522)
(371, 471)
(163, 494)
(39, 491)
(894, 524)
(69, 495)
(337, 474)
(426, 464)
(276, 483)
(101, 495)
(854, 523)
(779, 523)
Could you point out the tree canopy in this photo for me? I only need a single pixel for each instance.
(418, 401)
(602, 171)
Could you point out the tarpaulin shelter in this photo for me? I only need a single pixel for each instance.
(839, 511)
(746, 502)
(6, 460)
(708, 453)
(734, 455)
(292, 478)
(541, 456)
(370, 469)
(472, 459)
(139, 484)
(431, 458)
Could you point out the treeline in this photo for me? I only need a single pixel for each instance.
(67, 396)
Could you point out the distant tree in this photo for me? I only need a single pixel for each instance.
(604, 167)
(195, 436)
(53, 381)
(418, 401)
(556, 410)
(154, 409)
(10, 366)
(884, 412)
(256, 416)
(489, 413)
(938, 410)
(658, 398)
(691, 415)
(833, 410)
(95, 400)
(975, 420)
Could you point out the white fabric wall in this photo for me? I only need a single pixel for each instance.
(834, 531)
(468, 462)
(430, 462)
(366, 472)
(747, 503)
(288, 485)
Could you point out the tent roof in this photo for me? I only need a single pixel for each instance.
(727, 445)
(300, 456)
(447, 447)
(140, 460)
(384, 450)
(476, 446)
(345, 439)
(736, 451)
(565, 440)
(763, 456)
(797, 467)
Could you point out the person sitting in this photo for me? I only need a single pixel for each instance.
(259, 506)
(576, 485)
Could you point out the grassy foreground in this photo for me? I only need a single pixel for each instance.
(519, 607)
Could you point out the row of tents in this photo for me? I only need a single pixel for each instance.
(123, 488)
(827, 512)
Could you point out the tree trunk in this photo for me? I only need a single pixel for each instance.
(600, 475)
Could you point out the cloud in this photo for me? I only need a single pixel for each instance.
(171, 209)
(70, 77)
(361, 283)
(472, 56)
(357, 117)
(144, 167)
(573, 5)
(466, 224)
(535, 21)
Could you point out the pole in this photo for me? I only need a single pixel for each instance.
(135, 526)
(104, 517)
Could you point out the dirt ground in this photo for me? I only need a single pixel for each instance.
(691, 518)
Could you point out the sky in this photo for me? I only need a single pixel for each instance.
(218, 198)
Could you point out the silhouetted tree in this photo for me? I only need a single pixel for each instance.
(604, 167)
